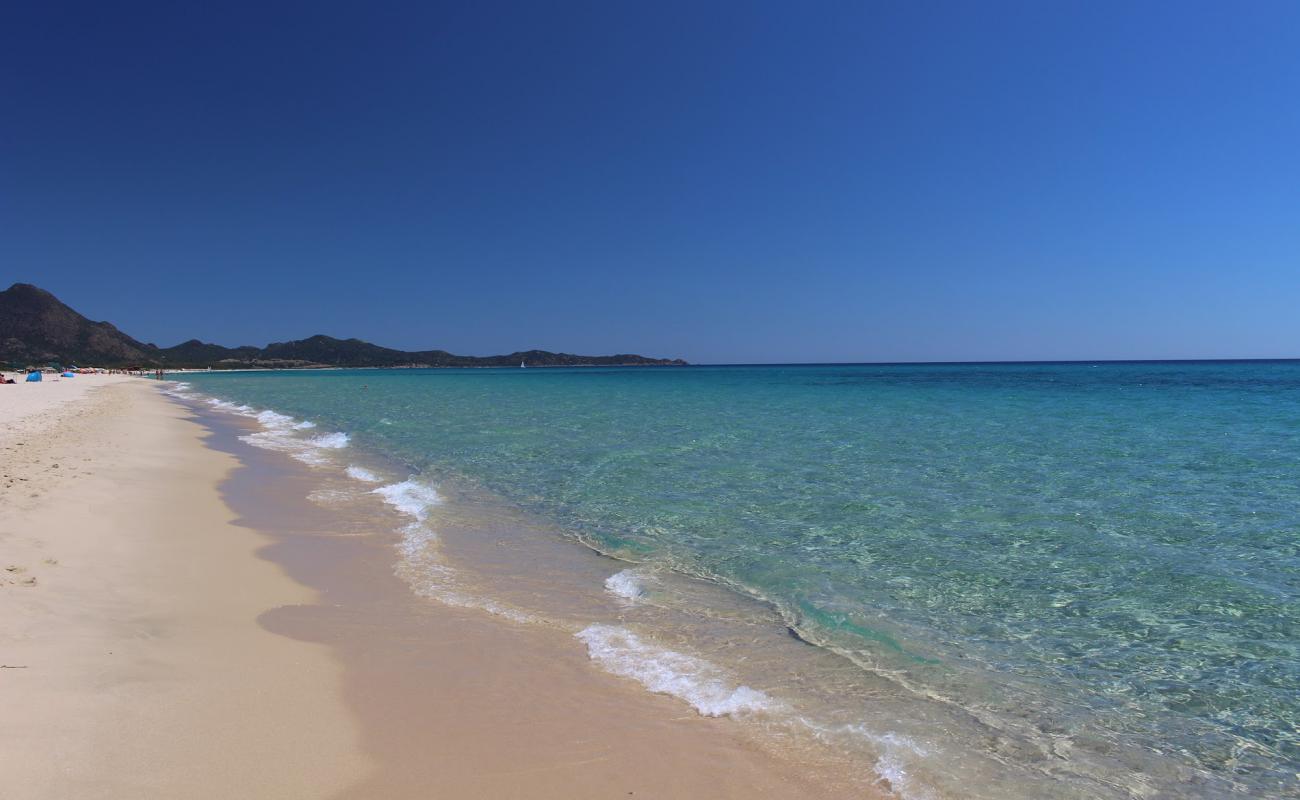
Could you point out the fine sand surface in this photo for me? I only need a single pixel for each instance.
(134, 663)
(24, 399)
(176, 620)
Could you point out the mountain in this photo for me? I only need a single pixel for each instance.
(196, 352)
(36, 328)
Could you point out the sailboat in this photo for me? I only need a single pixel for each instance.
(521, 365)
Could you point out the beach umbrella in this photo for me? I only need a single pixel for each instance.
(69, 374)
(33, 377)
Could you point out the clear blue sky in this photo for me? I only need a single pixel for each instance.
(750, 181)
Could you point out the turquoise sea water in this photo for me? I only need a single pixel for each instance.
(1096, 564)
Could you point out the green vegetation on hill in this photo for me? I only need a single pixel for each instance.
(36, 328)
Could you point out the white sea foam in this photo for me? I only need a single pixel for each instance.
(233, 408)
(274, 419)
(896, 753)
(410, 497)
(422, 565)
(281, 432)
(330, 441)
(894, 773)
(331, 497)
(703, 685)
(181, 390)
(417, 538)
(414, 499)
(625, 585)
(362, 474)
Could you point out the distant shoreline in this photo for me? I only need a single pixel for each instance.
(744, 365)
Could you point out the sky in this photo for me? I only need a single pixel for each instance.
(723, 182)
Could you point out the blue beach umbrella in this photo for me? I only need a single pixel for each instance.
(33, 377)
(69, 375)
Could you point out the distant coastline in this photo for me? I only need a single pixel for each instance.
(331, 368)
(1005, 363)
(36, 328)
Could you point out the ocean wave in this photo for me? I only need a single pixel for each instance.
(626, 585)
(896, 755)
(698, 682)
(362, 474)
(234, 408)
(180, 390)
(274, 419)
(282, 433)
(414, 499)
(330, 441)
(410, 497)
(421, 565)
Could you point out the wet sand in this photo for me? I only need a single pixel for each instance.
(209, 632)
(458, 703)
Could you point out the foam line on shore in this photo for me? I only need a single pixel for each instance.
(698, 682)
(362, 474)
(280, 432)
(707, 687)
(626, 585)
(896, 756)
(421, 564)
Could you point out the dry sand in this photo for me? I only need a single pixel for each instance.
(134, 663)
(40, 400)
(179, 623)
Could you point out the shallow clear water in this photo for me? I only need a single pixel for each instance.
(1097, 565)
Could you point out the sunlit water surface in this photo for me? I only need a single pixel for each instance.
(1046, 580)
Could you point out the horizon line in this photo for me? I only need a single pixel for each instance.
(1037, 362)
(994, 361)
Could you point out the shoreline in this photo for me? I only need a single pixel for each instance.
(277, 653)
(482, 556)
(510, 711)
(859, 726)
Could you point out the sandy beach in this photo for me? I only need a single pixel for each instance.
(181, 622)
(134, 665)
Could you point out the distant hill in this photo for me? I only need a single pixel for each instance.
(36, 328)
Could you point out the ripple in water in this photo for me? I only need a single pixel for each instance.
(1086, 576)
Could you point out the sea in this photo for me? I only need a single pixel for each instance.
(1040, 580)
